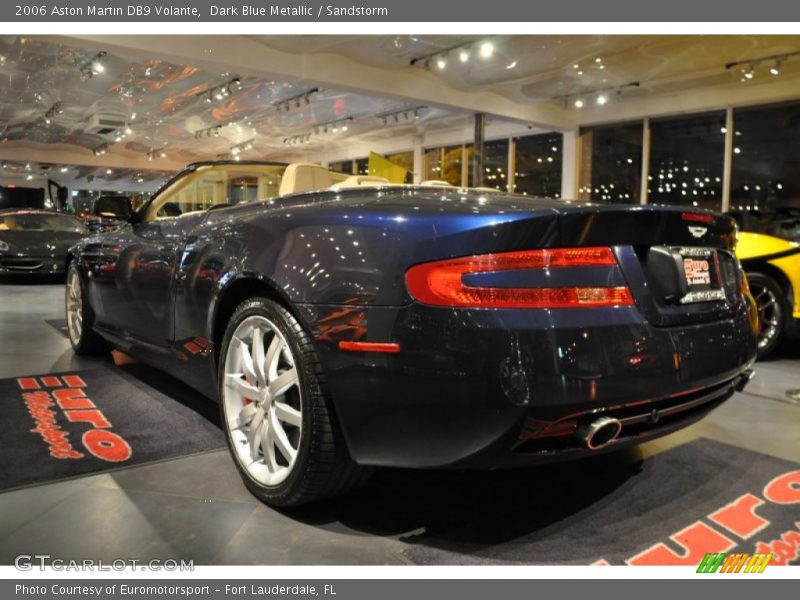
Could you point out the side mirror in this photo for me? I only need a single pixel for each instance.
(113, 207)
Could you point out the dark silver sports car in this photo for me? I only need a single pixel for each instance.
(36, 241)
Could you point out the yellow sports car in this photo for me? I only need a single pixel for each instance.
(769, 249)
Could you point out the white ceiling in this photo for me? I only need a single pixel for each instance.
(158, 87)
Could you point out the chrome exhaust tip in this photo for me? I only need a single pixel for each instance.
(743, 380)
(598, 433)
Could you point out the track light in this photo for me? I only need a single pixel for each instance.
(749, 66)
(601, 96)
(484, 49)
(243, 147)
(100, 150)
(406, 113)
(93, 66)
(296, 100)
(159, 153)
(221, 91)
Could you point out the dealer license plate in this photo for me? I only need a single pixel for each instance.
(703, 280)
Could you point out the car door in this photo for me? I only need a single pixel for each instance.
(136, 290)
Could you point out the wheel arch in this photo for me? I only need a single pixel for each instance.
(240, 288)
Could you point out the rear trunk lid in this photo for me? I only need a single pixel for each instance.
(678, 263)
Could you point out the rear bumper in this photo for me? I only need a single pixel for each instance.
(488, 388)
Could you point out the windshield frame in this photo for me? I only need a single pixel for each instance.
(140, 215)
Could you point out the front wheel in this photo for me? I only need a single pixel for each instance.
(278, 419)
(80, 317)
(772, 310)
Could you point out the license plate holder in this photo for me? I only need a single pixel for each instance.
(700, 270)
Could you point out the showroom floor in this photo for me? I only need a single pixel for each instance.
(195, 507)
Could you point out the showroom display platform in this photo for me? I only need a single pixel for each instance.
(608, 508)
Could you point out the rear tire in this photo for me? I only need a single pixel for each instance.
(772, 312)
(80, 317)
(276, 412)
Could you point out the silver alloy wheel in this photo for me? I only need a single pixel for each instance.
(262, 401)
(74, 302)
(769, 314)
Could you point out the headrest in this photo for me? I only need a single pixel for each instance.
(361, 181)
(304, 177)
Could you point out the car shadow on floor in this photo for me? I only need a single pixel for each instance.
(474, 508)
(174, 389)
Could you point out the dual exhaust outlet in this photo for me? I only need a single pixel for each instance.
(598, 433)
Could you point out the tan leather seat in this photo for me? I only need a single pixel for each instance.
(304, 177)
(361, 181)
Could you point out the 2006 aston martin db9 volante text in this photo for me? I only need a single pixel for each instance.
(350, 324)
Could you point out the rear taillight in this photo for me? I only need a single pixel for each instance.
(441, 283)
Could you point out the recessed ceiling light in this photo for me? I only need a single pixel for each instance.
(602, 99)
(463, 56)
(487, 49)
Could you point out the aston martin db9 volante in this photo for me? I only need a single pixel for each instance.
(346, 322)
(36, 241)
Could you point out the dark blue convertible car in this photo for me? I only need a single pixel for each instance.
(350, 323)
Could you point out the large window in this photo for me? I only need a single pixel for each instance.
(446, 164)
(495, 165)
(686, 160)
(538, 165)
(766, 158)
(611, 163)
(341, 166)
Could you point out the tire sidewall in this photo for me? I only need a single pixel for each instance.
(85, 314)
(768, 282)
(309, 393)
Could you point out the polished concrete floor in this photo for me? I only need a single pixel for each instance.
(196, 508)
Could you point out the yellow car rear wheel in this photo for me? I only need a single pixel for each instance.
(772, 311)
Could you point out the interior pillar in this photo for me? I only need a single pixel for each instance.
(478, 150)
